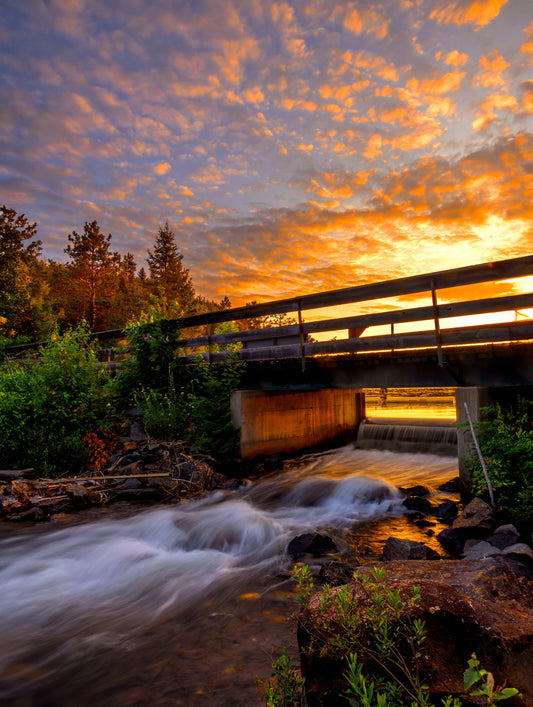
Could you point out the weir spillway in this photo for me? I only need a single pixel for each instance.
(413, 435)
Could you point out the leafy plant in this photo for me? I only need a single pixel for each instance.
(506, 441)
(48, 405)
(480, 683)
(286, 688)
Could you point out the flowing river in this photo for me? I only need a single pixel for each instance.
(186, 604)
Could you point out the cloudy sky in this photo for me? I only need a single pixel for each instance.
(292, 146)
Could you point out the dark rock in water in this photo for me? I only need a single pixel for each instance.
(452, 486)
(310, 544)
(452, 541)
(80, 496)
(422, 523)
(273, 463)
(337, 573)
(479, 607)
(400, 549)
(418, 490)
(447, 511)
(417, 503)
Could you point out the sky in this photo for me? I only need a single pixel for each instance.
(293, 147)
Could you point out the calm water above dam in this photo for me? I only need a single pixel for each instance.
(185, 604)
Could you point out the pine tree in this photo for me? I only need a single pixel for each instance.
(95, 269)
(170, 278)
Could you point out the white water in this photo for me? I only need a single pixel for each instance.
(68, 595)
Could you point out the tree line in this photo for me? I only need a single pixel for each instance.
(96, 284)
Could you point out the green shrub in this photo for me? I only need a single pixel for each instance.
(506, 442)
(47, 405)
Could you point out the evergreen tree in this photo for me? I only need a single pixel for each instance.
(22, 290)
(94, 267)
(170, 278)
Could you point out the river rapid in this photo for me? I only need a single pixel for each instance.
(186, 604)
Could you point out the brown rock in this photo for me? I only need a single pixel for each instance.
(467, 606)
(477, 516)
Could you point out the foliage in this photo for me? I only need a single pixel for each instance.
(190, 402)
(49, 404)
(383, 651)
(506, 442)
(286, 689)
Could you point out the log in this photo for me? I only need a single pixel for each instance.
(8, 475)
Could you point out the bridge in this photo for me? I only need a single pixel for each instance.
(299, 391)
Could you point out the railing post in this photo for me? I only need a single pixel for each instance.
(302, 335)
(438, 336)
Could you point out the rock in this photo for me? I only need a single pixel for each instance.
(502, 540)
(82, 497)
(417, 503)
(447, 511)
(337, 573)
(468, 607)
(452, 486)
(137, 434)
(507, 529)
(518, 549)
(418, 490)
(478, 549)
(422, 523)
(476, 518)
(132, 483)
(310, 544)
(452, 541)
(400, 549)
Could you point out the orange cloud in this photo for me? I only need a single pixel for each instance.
(492, 66)
(162, 168)
(461, 12)
(527, 47)
(453, 58)
(444, 84)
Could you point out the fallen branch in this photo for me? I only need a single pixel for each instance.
(74, 479)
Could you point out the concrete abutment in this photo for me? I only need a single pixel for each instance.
(287, 421)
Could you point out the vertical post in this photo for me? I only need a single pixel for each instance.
(438, 335)
(302, 335)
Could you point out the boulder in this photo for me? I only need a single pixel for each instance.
(418, 503)
(447, 511)
(478, 606)
(452, 541)
(400, 549)
(337, 573)
(417, 490)
(476, 519)
(452, 486)
(310, 544)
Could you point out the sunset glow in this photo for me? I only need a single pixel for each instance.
(292, 146)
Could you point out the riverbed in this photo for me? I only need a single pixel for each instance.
(188, 604)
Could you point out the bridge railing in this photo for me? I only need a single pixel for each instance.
(295, 340)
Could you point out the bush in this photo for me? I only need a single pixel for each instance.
(189, 402)
(506, 442)
(49, 404)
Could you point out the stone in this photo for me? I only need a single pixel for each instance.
(518, 549)
(418, 490)
(452, 541)
(132, 483)
(310, 544)
(401, 549)
(452, 486)
(478, 549)
(447, 510)
(478, 606)
(337, 573)
(477, 517)
(418, 503)
(502, 540)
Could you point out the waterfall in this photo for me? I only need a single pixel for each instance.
(417, 436)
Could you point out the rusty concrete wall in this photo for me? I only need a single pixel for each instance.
(274, 422)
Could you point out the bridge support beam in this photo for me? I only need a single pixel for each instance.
(476, 399)
(273, 422)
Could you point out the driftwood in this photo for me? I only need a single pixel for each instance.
(8, 475)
